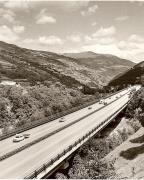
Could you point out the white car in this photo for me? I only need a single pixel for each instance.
(61, 119)
(101, 101)
(18, 137)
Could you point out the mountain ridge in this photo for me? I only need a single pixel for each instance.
(39, 66)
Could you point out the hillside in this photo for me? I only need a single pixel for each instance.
(129, 158)
(106, 64)
(132, 76)
(33, 66)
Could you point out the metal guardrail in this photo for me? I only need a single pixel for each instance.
(35, 173)
(51, 118)
(9, 154)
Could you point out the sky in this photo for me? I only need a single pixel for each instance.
(108, 27)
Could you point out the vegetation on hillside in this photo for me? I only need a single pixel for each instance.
(132, 76)
(135, 108)
(89, 163)
(20, 105)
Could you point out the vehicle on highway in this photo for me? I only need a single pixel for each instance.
(61, 119)
(105, 103)
(101, 101)
(18, 138)
(26, 136)
(89, 107)
(117, 97)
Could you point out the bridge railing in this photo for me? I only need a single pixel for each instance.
(81, 140)
(51, 118)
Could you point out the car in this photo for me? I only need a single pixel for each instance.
(105, 103)
(18, 138)
(101, 101)
(89, 107)
(117, 97)
(61, 119)
(26, 136)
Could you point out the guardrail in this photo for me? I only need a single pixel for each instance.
(42, 168)
(51, 118)
(13, 152)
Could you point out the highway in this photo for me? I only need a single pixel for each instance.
(26, 161)
(7, 145)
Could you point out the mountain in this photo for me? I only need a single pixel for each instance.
(106, 64)
(33, 66)
(131, 76)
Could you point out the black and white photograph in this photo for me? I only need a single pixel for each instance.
(71, 89)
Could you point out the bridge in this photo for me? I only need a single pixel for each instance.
(52, 143)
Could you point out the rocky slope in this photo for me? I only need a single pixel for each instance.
(32, 66)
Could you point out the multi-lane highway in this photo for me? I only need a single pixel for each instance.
(23, 163)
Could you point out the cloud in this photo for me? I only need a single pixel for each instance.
(94, 24)
(127, 46)
(104, 49)
(122, 45)
(131, 48)
(103, 32)
(72, 5)
(28, 40)
(122, 18)
(74, 38)
(44, 18)
(103, 36)
(50, 40)
(136, 39)
(16, 5)
(113, 48)
(106, 40)
(89, 40)
(7, 15)
(18, 29)
(91, 10)
(7, 34)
